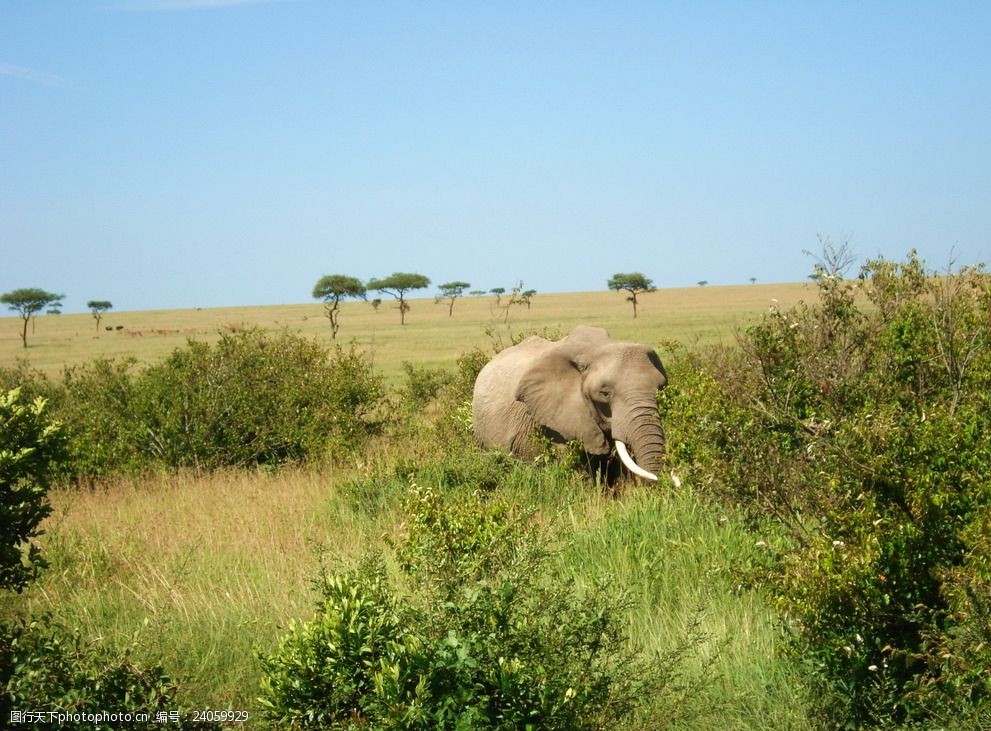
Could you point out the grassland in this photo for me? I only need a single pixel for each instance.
(430, 337)
(203, 571)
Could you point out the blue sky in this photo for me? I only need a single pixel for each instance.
(179, 153)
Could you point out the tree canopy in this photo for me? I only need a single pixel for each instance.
(27, 302)
(332, 288)
(451, 291)
(397, 285)
(98, 307)
(526, 297)
(635, 283)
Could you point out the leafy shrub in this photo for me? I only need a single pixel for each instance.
(248, 399)
(255, 399)
(435, 406)
(478, 633)
(99, 404)
(422, 385)
(30, 447)
(454, 424)
(31, 383)
(45, 668)
(865, 428)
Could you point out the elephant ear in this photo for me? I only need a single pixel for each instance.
(551, 389)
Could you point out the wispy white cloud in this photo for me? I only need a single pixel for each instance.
(26, 74)
(158, 6)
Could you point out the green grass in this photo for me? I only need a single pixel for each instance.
(684, 563)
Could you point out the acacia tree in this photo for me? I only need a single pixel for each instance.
(398, 285)
(635, 283)
(27, 302)
(518, 296)
(333, 288)
(98, 307)
(451, 291)
(498, 292)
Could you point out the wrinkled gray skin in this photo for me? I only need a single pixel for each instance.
(585, 387)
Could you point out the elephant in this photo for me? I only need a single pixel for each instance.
(584, 387)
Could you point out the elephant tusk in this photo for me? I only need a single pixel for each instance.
(631, 465)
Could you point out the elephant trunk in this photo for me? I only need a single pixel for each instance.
(643, 434)
(632, 466)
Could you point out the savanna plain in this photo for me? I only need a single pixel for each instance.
(203, 570)
(430, 337)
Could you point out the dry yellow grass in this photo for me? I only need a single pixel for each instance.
(430, 337)
(204, 570)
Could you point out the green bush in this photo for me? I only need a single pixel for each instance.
(31, 383)
(477, 632)
(454, 424)
(249, 399)
(31, 446)
(422, 386)
(255, 399)
(435, 407)
(98, 404)
(863, 424)
(45, 668)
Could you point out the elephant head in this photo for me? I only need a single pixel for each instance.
(593, 389)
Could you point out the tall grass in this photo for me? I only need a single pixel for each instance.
(203, 570)
(206, 571)
(686, 567)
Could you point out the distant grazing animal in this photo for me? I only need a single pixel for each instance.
(585, 387)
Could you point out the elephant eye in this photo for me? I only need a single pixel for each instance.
(605, 393)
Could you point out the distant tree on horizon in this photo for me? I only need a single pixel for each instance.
(753, 280)
(498, 292)
(518, 296)
(375, 303)
(703, 282)
(398, 285)
(451, 291)
(98, 307)
(635, 283)
(27, 302)
(332, 288)
(477, 292)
